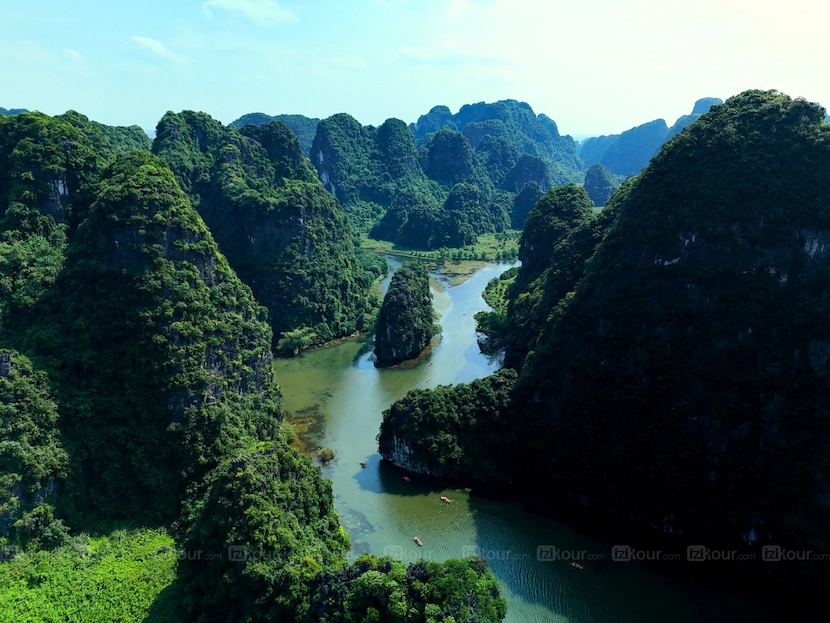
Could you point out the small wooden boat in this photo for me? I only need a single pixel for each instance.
(363, 463)
(430, 363)
(444, 498)
(427, 380)
(418, 541)
(576, 565)
(406, 478)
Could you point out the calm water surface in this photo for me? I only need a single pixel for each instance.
(382, 513)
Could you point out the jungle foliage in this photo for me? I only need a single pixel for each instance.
(140, 395)
(406, 322)
(599, 184)
(462, 432)
(673, 348)
(447, 179)
(304, 128)
(284, 235)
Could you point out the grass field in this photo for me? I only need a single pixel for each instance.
(124, 577)
(489, 248)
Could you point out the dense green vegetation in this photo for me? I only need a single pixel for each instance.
(380, 589)
(283, 234)
(405, 323)
(511, 128)
(32, 458)
(126, 576)
(447, 179)
(107, 138)
(303, 127)
(599, 184)
(675, 360)
(460, 432)
(139, 401)
(701, 107)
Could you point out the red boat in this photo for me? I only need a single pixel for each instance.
(418, 541)
(446, 499)
(406, 478)
(576, 565)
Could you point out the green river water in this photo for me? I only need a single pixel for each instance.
(382, 513)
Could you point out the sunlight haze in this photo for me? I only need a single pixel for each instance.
(594, 67)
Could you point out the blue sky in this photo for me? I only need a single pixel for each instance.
(594, 66)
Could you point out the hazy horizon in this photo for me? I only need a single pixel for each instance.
(594, 69)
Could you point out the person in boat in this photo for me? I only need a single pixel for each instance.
(363, 463)
(444, 498)
(406, 478)
(576, 565)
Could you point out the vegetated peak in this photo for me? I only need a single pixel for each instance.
(304, 127)
(282, 232)
(702, 318)
(12, 111)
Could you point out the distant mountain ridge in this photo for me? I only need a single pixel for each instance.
(304, 127)
(12, 111)
(627, 153)
(447, 178)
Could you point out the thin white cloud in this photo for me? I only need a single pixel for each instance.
(259, 11)
(73, 55)
(157, 48)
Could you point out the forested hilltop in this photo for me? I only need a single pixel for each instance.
(303, 127)
(282, 232)
(446, 179)
(673, 348)
(139, 419)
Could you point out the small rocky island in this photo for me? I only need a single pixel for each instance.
(405, 322)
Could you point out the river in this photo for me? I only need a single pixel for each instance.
(340, 386)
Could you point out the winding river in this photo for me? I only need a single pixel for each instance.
(339, 388)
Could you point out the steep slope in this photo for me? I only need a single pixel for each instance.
(591, 149)
(283, 234)
(681, 382)
(303, 127)
(162, 354)
(399, 183)
(701, 107)
(156, 407)
(517, 124)
(599, 184)
(634, 148)
(32, 458)
(702, 316)
(405, 322)
(107, 138)
(403, 194)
